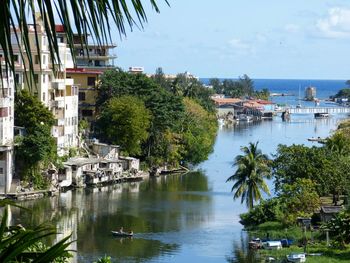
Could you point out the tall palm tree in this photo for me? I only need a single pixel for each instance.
(249, 178)
(87, 17)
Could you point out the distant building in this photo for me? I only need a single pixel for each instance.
(136, 70)
(310, 93)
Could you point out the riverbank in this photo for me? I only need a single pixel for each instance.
(316, 249)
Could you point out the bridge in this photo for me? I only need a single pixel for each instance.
(310, 110)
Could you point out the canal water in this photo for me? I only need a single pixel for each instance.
(188, 218)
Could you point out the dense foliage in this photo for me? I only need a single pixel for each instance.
(125, 121)
(37, 147)
(242, 87)
(301, 176)
(182, 124)
(343, 93)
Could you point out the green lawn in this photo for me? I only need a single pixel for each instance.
(329, 255)
(276, 230)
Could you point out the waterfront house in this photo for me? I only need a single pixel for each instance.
(327, 212)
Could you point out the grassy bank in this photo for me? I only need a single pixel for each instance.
(329, 255)
(316, 244)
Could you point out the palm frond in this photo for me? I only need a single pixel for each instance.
(94, 18)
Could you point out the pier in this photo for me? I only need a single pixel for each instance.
(311, 110)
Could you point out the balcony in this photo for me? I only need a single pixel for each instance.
(58, 102)
(58, 84)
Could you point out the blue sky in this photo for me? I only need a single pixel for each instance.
(228, 38)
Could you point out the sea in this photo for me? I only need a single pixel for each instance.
(324, 89)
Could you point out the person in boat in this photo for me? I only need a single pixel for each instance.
(121, 230)
(131, 232)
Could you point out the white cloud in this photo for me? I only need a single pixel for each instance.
(336, 24)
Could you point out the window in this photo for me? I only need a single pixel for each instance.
(4, 112)
(81, 96)
(44, 96)
(36, 78)
(36, 59)
(44, 59)
(91, 81)
(1, 170)
(16, 58)
(17, 78)
(86, 113)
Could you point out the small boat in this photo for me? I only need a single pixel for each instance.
(298, 106)
(296, 257)
(122, 234)
(244, 117)
(255, 243)
(321, 115)
(272, 245)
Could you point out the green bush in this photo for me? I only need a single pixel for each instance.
(268, 210)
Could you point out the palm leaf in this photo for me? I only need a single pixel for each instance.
(92, 18)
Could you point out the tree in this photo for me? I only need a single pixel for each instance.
(93, 18)
(125, 121)
(339, 227)
(298, 199)
(37, 148)
(249, 178)
(199, 129)
(217, 85)
(30, 112)
(298, 161)
(247, 84)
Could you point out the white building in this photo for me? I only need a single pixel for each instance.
(6, 131)
(52, 88)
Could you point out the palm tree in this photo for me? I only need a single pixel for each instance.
(249, 177)
(87, 17)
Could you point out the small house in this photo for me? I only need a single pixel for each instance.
(329, 211)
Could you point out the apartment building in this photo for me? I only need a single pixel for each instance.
(91, 61)
(6, 131)
(52, 87)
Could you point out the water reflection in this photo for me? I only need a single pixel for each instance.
(159, 211)
(241, 253)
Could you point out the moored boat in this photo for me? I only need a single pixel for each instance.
(272, 245)
(321, 115)
(244, 117)
(255, 243)
(296, 257)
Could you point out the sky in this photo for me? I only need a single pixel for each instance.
(228, 38)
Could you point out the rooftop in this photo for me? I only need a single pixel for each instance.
(331, 209)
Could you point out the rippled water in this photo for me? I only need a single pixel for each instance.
(175, 218)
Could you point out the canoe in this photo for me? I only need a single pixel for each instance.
(121, 234)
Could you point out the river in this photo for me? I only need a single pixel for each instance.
(188, 218)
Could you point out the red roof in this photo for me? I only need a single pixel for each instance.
(59, 28)
(83, 71)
